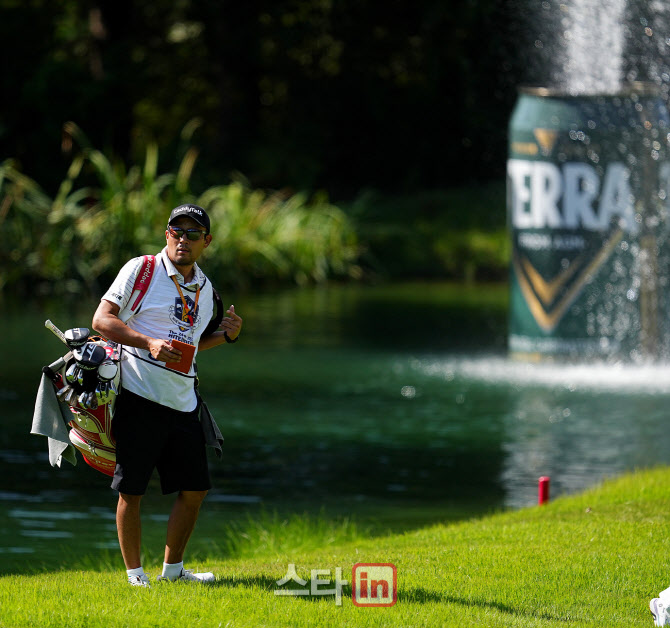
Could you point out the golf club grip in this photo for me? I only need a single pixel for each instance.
(56, 332)
(50, 373)
(57, 365)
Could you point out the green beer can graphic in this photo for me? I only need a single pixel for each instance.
(587, 187)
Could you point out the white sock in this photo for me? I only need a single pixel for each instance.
(138, 571)
(665, 596)
(172, 571)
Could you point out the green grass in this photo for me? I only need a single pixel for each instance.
(593, 559)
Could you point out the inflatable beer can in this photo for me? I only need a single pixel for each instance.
(588, 193)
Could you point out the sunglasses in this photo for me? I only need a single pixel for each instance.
(191, 234)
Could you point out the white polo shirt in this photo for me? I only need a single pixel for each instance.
(159, 316)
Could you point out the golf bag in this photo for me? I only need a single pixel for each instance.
(87, 379)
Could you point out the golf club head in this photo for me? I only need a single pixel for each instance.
(89, 356)
(107, 370)
(71, 396)
(76, 337)
(71, 373)
(88, 401)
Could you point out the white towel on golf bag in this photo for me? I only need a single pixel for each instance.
(50, 419)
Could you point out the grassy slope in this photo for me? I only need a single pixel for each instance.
(586, 560)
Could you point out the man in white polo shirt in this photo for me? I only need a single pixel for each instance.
(156, 422)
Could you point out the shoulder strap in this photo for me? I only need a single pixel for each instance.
(218, 317)
(142, 281)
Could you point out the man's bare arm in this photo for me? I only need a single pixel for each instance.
(230, 325)
(106, 321)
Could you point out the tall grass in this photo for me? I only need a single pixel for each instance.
(105, 212)
(276, 236)
(272, 533)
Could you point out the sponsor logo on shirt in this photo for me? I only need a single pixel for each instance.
(192, 318)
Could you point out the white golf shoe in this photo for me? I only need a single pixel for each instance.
(139, 581)
(187, 575)
(658, 610)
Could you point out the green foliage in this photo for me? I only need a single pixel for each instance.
(105, 212)
(40, 230)
(83, 235)
(276, 236)
(459, 233)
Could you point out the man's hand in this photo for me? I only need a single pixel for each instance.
(163, 351)
(231, 324)
(106, 321)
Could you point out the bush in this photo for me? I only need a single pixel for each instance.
(456, 234)
(78, 240)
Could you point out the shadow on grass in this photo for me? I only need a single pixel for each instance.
(232, 582)
(270, 584)
(411, 595)
(422, 596)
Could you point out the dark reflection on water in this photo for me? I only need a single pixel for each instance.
(396, 396)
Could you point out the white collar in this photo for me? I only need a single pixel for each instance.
(198, 275)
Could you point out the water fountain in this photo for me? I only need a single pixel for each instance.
(589, 218)
(588, 189)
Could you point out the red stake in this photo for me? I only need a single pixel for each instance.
(543, 490)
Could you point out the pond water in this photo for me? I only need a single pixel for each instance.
(396, 401)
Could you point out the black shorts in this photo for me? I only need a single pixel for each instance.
(151, 436)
